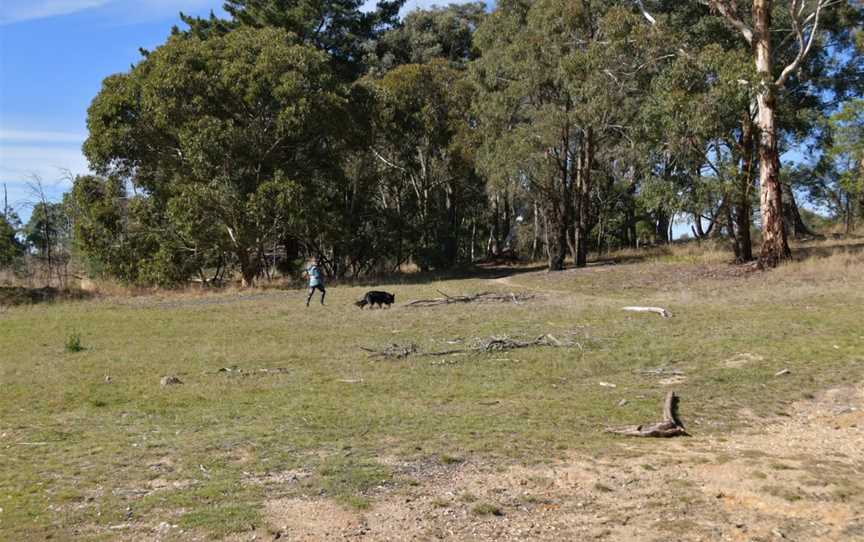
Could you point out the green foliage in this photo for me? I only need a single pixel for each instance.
(48, 229)
(224, 137)
(11, 248)
(339, 28)
(437, 33)
(423, 142)
(73, 343)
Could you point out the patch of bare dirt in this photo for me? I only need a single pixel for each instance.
(798, 479)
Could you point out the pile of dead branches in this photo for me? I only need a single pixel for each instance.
(485, 345)
(392, 351)
(482, 297)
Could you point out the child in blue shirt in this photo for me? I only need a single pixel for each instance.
(315, 281)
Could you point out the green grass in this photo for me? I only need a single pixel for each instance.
(80, 448)
(73, 342)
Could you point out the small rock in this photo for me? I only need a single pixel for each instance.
(622, 402)
(107, 379)
(170, 381)
(778, 533)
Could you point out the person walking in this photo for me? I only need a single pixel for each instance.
(315, 281)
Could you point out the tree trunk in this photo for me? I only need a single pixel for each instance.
(661, 228)
(535, 244)
(451, 236)
(697, 230)
(792, 217)
(743, 207)
(775, 247)
(736, 241)
(584, 188)
(556, 233)
(248, 268)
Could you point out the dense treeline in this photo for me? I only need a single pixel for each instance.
(542, 128)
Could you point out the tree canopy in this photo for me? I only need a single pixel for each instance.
(536, 127)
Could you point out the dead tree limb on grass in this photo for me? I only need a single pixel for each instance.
(483, 297)
(392, 351)
(657, 310)
(671, 426)
(492, 344)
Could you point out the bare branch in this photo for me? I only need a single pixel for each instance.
(389, 163)
(644, 12)
(728, 10)
(798, 26)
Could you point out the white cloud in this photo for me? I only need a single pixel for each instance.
(13, 11)
(18, 163)
(30, 136)
(124, 11)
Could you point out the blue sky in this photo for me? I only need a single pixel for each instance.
(53, 57)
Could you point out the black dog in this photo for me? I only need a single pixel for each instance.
(376, 298)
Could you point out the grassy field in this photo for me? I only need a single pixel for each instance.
(93, 444)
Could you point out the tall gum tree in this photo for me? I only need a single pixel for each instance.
(802, 28)
(231, 133)
(805, 19)
(559, 81)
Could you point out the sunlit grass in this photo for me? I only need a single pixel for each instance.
(87, 435)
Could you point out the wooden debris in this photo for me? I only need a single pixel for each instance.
(236, 370)
(671, 426)
(657, 310)
(392, 351)
(170, 381)
(661, 371)
(492, 344)
(483, 297)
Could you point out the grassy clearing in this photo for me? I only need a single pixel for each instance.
(91, 440)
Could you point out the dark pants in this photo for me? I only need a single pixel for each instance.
(312, 291)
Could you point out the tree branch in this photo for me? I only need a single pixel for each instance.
(798, 27)
(728, 10)
(644, 12)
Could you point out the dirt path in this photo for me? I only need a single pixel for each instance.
(800, 478)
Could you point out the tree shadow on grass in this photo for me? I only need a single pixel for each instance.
(825, 251)
(19, 295)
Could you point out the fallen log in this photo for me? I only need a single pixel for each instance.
(657, 310)
(671, 426)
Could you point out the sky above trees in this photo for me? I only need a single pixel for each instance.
(54, 55)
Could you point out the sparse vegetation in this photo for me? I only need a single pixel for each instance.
(73, 342)
(487, 509)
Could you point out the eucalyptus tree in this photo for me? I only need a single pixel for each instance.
(423, 149)
(445, 33)
(559, 82)
(343, 29)
(779, 52)
(835, 182)
(227, 135)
